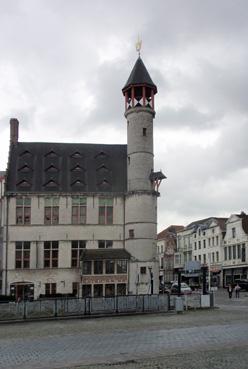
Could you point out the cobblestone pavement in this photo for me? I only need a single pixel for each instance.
(210, 339)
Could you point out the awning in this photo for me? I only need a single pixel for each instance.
(104, 254)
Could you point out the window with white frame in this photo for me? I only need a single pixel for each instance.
(23, 210)
(76, 251)
(79, 209)
(105, 210)
(51, 254)
(22, 255)
(105, 244)
(51, 210)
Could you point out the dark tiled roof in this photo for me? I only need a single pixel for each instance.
(173, 229)
(244, 218)
(139, 76)
(206, 222)
(103, 254)
(67, 167)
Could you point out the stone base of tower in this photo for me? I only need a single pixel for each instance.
(143, 278)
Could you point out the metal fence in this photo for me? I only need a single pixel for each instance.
(53, 308)
(190, 301)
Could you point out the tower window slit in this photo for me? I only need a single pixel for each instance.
(144, 131)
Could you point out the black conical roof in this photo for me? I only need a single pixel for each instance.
(139, 76)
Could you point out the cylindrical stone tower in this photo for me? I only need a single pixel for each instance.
(141, 197)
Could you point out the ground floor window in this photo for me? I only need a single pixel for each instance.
(86, 290)
(50, 288)
(109, 290)
(98, 290)
(121, 289)
(75, 289)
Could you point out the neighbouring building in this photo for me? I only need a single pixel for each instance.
(166, 247)
(201, 241)
(80, 218)
(2, 177)
(235, 253)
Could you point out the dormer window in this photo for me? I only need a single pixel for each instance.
(25, 153)
(24, 183)
(101, 154)
(24, 169)
(51, 169)
(102, 168)
(51, 154)
(51, 183)
(77, 168)
(76, 155)
(78, 182)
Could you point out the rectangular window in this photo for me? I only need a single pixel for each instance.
(131, 234)
(87, 267)
(86, 290)
(204, 258)
(217, 256)
(199, 257)
(105, 244)
(105, 211)
(22, 255)
(212, 241)
(204, 244)
(243, 256)
(98, 290)
(50, 289)
(109, 267)
(229, 252)
(75, 288)
(79, 209)
(233, 232)
(121, 289)
(225, 253)
(234, 251)
(217, 240)
(51, 210)
(51, 254)
(199, 245)
(23, 210)
(209, 242)
(98, 267)
(109, 290)
(195, 245)
(76, 251)
(122, 266)
(238, 251)
(213, 257)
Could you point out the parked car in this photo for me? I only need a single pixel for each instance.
(185, 289)
(243, 283)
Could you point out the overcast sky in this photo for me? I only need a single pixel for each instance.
(63, 64)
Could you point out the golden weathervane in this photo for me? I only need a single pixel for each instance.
(138, 45)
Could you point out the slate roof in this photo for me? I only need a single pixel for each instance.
(244, 218)
(206, 222)
(67, 167)
(103, 254)
(139, 76)
(173, 229)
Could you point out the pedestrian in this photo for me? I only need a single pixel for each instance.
(237, 288)
(229, 290)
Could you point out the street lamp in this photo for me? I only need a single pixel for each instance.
(151, 279)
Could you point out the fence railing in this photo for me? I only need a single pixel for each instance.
(53, 308)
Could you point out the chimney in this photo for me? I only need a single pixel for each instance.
(14, 130)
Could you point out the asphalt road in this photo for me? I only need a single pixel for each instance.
(209, 339)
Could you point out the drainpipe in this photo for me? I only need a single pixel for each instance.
(7, 244)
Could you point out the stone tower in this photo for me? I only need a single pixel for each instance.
(141, 197)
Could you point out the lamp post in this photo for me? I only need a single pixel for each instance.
(151, 279)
